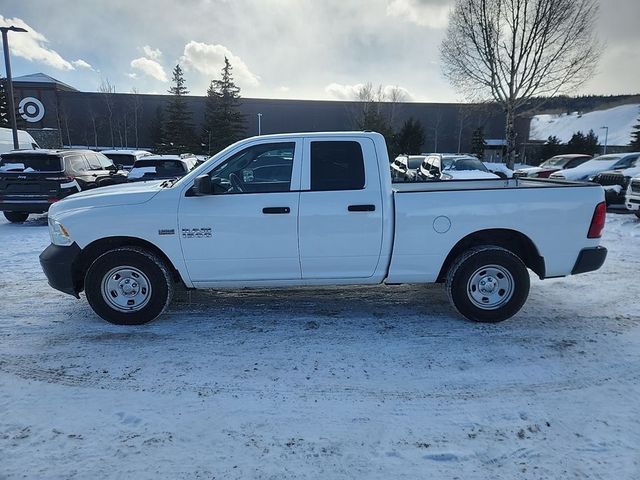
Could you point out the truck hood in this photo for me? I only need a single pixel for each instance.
(111, 196)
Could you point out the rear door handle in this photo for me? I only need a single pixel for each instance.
(362, 208)
(276, 210)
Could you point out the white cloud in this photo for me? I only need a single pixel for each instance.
(350, 92)
(420, 13)
(82, 64)
(209, 60)
(149, 67)
(33, 46)
(152, 53)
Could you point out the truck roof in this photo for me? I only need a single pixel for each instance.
(49, 151)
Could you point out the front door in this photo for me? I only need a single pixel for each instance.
(247, 230)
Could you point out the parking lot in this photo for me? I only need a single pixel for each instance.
(367, 382)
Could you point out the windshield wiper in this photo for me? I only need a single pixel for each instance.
(169, 182)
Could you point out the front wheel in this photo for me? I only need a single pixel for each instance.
(488, 284)
(16, 217)
(128, 286)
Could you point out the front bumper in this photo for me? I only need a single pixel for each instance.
(589, 259)
(58, 264)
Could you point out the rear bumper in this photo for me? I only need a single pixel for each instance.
(32, 206)
(58, 264)
(589, 259)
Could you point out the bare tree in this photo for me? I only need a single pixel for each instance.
(108, 92)
(513, 50)
(136, 107)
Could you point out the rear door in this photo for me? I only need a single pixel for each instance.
(340, 219)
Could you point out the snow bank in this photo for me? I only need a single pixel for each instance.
(620, 121)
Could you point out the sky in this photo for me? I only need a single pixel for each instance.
(302, 49)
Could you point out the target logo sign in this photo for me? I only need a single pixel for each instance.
(31, 109)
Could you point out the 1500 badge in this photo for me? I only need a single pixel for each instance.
(196, 232)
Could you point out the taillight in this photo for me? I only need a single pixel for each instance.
(53, 200)
(597, 222)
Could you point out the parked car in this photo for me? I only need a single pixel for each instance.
(32, 180)
(327, 214)
(588, 170)
(25, 140)
(632, 197)
(458, 167)
(615, 182)
(159, 167)
(126, 158)
(552, 165)
(405, 168)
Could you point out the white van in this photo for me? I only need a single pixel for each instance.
(25, 141)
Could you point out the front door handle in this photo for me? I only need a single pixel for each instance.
(276, 210)
(362, 208)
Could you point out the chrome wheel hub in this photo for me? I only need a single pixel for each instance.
(490, 287)
(126, 289)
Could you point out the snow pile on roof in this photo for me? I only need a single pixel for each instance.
(499, 167)
(620, 121)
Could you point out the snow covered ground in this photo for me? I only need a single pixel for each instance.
(332, 383)
(620, 121)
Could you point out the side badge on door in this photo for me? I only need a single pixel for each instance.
(166, 231)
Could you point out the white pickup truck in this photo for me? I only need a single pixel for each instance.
(318, 209)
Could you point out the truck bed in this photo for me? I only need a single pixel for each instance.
(498, 184)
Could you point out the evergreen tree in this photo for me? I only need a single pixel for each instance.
(552, 147)
(177, 130)
(155, 130)
(410, 138)
(478, 143)
(635, 136)
(581, 143)
(224, 124)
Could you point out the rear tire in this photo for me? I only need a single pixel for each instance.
(488, 284)
(16, 217)
(128, 286)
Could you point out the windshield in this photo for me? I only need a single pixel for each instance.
(164, 168)
(463, 164)
(415, 162)
(30, 163)
(121, 158)
(555, 162)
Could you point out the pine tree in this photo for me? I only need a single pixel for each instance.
(581, 143)
(478, 144)
(552, 147)
(635, 136)
(177, 130)
(224, 124)
(410, 138)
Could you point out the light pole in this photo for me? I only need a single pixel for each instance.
(7, 66)
(259, 124)
(606, 138)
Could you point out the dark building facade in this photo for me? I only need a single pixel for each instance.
(57, 114)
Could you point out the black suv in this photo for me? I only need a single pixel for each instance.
(615, 182)
(31, 180)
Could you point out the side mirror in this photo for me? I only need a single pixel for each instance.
(202, 186)
(119, 167)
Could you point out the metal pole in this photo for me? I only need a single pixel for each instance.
(606, 139)
(259, 124)
(12, 108)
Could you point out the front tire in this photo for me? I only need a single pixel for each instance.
(128, 286)
(16, 217)
(488, 284)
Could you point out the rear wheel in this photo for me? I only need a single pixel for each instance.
(488, 284)
(16, 217)
(128, 286)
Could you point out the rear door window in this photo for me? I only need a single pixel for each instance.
(337, 165)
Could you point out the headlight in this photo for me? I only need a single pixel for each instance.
(590, 178)
(59, 234)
